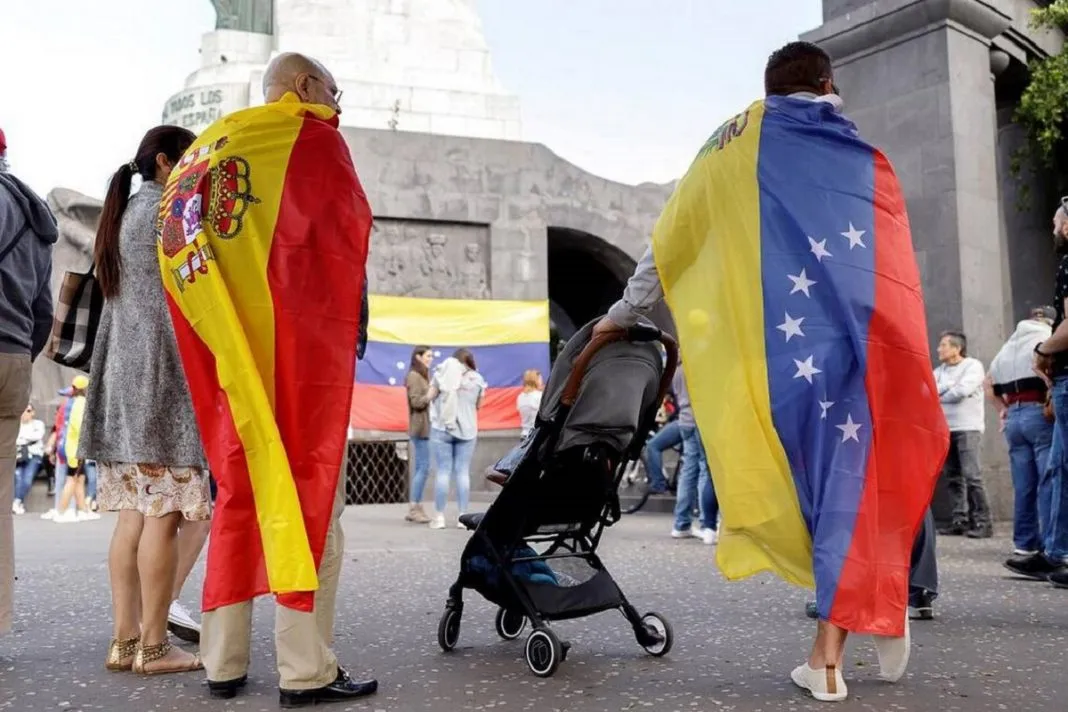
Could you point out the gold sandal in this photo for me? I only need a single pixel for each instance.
(148, 654)
(121, 654)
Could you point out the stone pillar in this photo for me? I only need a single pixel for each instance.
(916, 77)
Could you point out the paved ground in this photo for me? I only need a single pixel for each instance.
(998, 643)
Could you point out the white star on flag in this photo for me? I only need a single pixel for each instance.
(791, 327)
(819, 249)
(824, 407)
(854, 235)
(805, 369)
(801, 283)
(849, 429)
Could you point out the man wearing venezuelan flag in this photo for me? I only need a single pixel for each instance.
(263, 239)
(786, 260)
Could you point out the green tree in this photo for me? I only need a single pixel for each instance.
(1045, 100)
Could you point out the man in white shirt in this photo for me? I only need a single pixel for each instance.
(960, 388)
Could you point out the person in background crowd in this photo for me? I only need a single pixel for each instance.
(960, 379)
(52, 450)
(70, 448)
(1019, 395)
(459, 389)
(140, 426)
(420, 394)
(529, 401)
(30, 444)
(27, 235)
(1051, 361)
(694, 478)
(668, 436)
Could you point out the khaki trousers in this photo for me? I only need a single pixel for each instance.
(302, 640)
(14, 396)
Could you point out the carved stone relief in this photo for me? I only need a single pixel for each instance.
(420, 259)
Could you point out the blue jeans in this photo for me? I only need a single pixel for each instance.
(1029, 436)
(420, 467)
(25, 471)
(61, 480)
(695, 482)
(90, 479)
(669, 436)
(1053, 487)
(452, 460)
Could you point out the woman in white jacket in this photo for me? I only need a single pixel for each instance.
(1019, 395)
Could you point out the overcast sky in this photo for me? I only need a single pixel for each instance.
(627, 89)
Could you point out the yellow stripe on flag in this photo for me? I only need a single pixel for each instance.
(457, 322)
(707, 245)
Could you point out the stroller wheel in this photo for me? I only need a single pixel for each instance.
(543, 652)
(656, 635)
(509, 624)
(449, 629)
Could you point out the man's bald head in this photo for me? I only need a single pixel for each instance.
(305, 77)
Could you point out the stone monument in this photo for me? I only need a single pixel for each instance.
(934, 83)
(407, 65)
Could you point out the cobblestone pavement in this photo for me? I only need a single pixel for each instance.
(997, 644)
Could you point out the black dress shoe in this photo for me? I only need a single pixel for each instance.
(980, 533)
(1035, 566)
(921, 606)
(228, 689)
(955, 529)
(1059, 578)
(342, 689)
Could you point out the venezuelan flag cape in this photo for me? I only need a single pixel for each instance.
(505, 337)
(786, 259)
(263, 238)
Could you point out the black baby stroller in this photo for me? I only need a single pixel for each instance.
(561, 493)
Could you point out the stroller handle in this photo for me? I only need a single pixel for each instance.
(638, 333)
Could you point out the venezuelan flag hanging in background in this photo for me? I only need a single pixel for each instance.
(263, 240)
(787, 262)
(506, 338)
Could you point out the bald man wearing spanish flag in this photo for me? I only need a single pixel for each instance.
(786, 259)
(263, 239)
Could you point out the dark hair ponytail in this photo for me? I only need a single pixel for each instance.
(171, 141)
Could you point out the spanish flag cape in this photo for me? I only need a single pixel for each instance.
(787, 262)
(263, 237)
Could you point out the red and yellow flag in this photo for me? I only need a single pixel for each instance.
(263, 237)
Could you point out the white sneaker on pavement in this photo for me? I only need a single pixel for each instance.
(50, 514)
(437, 521)
(87, 516)
(709, 536)
(681, 533)
(17, 507)
(893, 654)
(825, 684)
(181, 623)
(67, 517)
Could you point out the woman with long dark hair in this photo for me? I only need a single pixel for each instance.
(139, 422)
(458, 389)
(420, 394)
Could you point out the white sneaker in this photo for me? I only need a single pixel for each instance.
(893, 654)
(821, 684)
(709, 536)
(67, 517)
(438, 521)
(459, 524)
(88, 516)
(50, 514)
(181, 623)
(17, 507)
(682, 533)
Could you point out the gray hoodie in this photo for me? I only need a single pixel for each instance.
(28, 228)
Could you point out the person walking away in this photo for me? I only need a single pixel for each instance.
(668, 436)
(1020, 396)
(252, 335)
(420, 394)
(30, 444)
(69, 447)
(820, 456)
(529, 401)
(27, 235)
(959, 379)
(140, 426)
(695, 481)
(459, 389)
(1051, 362)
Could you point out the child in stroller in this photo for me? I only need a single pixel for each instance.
(560, 494)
